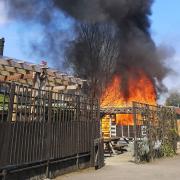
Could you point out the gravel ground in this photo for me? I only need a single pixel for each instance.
(121, 167)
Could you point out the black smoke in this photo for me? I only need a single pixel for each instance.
(137, 49)
(130, 19)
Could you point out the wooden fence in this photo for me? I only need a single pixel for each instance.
(155, 131)
(39, 126)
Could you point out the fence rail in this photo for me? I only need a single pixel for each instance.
(38, 125)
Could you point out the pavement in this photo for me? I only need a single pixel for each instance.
(121, 167)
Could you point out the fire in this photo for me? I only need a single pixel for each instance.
(139, 89)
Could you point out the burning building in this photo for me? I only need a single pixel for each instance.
(140, 89)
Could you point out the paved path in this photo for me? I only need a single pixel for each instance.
(119, 168)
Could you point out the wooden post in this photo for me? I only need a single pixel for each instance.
(175, 129)
(150, 140)
(135, 133)
(15, 104)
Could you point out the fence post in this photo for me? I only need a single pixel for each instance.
(78, 129)
(174, 129)
(135, 133)
(150, 128)
(11, 102)
(5, 155)
(161, 114)
(97, 154)
(93, 131)
(99, 118)
(49, 132)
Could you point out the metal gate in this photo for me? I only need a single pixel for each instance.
(154, 131)
(40, 127)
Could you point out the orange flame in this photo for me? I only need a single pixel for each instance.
(140, 89)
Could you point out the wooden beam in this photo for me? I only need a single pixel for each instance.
(19, 77)
(69, 87)
(2, 78)
(13, 77)
(114, 110)
(5, 73)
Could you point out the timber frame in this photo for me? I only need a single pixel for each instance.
(154, 129)
(113, 110)
(12, 70)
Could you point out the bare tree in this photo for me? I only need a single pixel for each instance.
(173, 99)
(93, 55)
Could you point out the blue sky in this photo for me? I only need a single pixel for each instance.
(166, 22)
(165, 28)
(165, 31)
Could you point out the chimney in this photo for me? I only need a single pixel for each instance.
(2, 40)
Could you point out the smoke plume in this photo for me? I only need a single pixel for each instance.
(136, 47)
(44, 17)
(129, 20)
